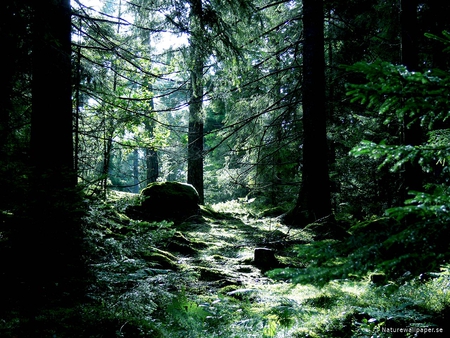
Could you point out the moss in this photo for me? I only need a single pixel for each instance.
(210, 213)
(172, 201)
(229, 288)
(273, 212)
(199, 244)
(181, 244)
(161, 260)
(210, 274)
(219, 258)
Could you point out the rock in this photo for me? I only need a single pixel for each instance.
(170, 201)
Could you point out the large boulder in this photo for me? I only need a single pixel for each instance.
(171, 201)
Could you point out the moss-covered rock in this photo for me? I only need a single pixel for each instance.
(171, 201)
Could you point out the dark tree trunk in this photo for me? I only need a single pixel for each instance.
(410, 58)
(10, 44)
(195, 146)
(51, 122)
(107, 151)
(152, 165)
(195, 134)
(136, 171)
(50, 237)
(151, 155)
(314, 200)
(437, 22)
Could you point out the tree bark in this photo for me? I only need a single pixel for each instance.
(136, 171)
(49, 240)
(413, 175)
(152, 165)
(195, 133)
(51, 121)
(314, 200)
(151, 155)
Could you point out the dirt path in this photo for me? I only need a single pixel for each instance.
(225, 250)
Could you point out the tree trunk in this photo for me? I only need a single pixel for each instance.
(10, 44)
(152, 165)
(314, 200)
(195, 134)
(107, 151)
(410, 58)
(136, 171)
(49, 241)
(51, 121)
(151, 155)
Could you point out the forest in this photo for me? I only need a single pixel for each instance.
(304, 146)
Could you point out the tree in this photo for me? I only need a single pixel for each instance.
(196, 119)
(51, 133)
(116, 113)
(314, 199)
(151, 155)
(357, 31)
(396, 92)
(410, 59)
(47, 234)
(259, 97)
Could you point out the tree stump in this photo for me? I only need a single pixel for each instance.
(265, 259)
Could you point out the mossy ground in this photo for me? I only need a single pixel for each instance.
(198, 280)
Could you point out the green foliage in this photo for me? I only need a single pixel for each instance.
(394, 93)
(444, 40)
(432, 206)
(413, 304)
(361, 309)
(186, 316)
(128, 289)
(385, 245)
(132, 97)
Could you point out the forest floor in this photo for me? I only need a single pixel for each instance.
(199, 279)
(235, 296)
(222, 259)
(225, 247)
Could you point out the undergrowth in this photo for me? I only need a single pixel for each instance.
(399, 261)
(380, 277)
